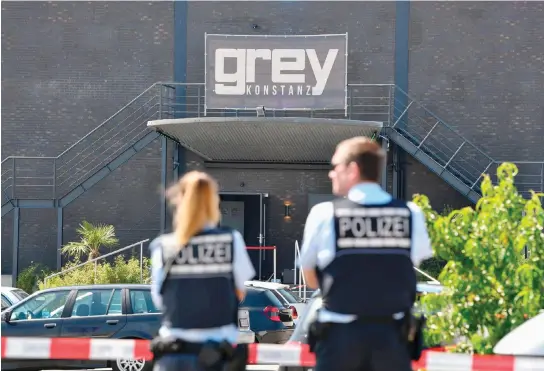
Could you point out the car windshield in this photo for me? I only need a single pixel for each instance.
(290, 296)
(20, 294)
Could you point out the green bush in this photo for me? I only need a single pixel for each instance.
(28, 279)
(120, 271)
(490, 287)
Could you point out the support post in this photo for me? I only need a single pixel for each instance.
(542, 178)
(385, 147)
(295, 269)
(402, 56)
(180, 161)
(15, 257)
(141, 262)
(60, 230)
(164, 143)
(395, 188)
(275, 256)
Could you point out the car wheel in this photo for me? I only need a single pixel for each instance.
(121, 364)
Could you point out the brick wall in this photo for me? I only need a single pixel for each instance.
(66, 67)
(478, 66)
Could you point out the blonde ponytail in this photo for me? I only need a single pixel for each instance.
(196, 201)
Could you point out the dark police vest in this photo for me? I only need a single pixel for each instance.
(199, 290)
(372, 272)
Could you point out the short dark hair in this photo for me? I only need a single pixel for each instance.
(367, 154)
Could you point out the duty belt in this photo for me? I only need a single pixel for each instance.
(209, 354)
(364, 319)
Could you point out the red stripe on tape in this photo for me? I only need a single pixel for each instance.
(307, 358)
(421, 363)
(4, 341)
(70, 348)
(492, 363)
(141, 350)
(252, 354)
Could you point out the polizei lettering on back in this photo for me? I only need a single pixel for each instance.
(372, 228)
(284, 64)
(216, 253)
(204, 258)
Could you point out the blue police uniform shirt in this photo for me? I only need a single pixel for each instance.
(242, 271)
(319, 242)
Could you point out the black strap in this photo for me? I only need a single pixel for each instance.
(160, 346)
(167, 268)
(376, 319)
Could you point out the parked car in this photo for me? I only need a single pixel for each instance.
(525, 340)
(287, 297)
(11, 296)
(117, 311)
(300, 334)
(270, 319)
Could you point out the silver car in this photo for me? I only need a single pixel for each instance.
(11, 296)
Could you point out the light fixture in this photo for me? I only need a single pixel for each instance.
(287, 210)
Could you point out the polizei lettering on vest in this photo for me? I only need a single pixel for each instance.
(385, 226)
(283, 62)
(204, 258)
(374, 228)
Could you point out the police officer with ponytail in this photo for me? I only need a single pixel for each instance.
(360, 251)
(198, 275)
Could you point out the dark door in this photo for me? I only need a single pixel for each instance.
(232, 215)
(143, 317)
(95, 313)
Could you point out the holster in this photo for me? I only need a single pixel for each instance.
(211, 355)
(317, 331)
(412, 334)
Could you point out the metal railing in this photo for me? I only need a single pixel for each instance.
(299, 278)
(54, 177)
(370, 102)
(451, 150)
(95, 261)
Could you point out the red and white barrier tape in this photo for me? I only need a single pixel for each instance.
(286, 355)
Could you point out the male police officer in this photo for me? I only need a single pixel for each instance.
(360, 251)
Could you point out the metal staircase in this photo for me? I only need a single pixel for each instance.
(42, 182)
(52, 182)
(449, 154)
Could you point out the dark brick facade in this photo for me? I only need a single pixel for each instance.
(67, 66)
(478, 66)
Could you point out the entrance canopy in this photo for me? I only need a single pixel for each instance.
(263, 139)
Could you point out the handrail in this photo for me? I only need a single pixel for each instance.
(446, 125)
(70, 157)
(102, 257)
(358, 84)
(427, 275)
(301, 278)
(92, 131)
(30, 157)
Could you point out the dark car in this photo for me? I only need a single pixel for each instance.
(117, 311)
(300, 335)
(270, 319)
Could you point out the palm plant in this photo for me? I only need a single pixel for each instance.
(92, 238)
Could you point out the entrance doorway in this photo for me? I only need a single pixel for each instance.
(246, 212)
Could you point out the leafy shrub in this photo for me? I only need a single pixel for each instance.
(120, 271)
(491, 287)
(27, 280)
